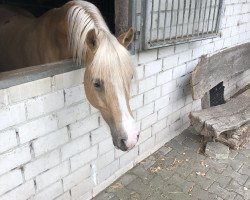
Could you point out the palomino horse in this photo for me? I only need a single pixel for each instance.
(76, 30)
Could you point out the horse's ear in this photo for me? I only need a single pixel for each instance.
(91, 40)
(126, 38)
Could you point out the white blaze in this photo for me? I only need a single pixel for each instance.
(128, 122)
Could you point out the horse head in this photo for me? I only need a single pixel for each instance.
(107, 79)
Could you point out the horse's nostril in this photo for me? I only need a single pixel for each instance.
(138, 136)
(123, 141)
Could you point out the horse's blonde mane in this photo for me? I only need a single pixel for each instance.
(112, 61)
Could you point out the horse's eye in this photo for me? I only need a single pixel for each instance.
(97, 84)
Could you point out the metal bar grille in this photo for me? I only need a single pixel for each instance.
(168, 22)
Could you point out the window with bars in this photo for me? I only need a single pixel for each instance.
(168, 22)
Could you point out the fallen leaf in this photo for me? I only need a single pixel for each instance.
(117, 186)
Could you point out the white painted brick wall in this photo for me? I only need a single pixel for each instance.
(29, 90)
(49, 142)
(37, 128)
(75, 146)
(153, 68)
(76, 177)
(72, 114)
(14, 158)
(22, 192)
(10, 181)
(51, 176)
(41, 164)
(74, 95)
(50, 192)
(12, 115)
(55, 145)
(44, 104)
(8, 140)
(83, 158)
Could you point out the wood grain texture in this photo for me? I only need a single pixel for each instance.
(220, 67)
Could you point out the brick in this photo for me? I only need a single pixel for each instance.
(179, 71)
(145, 111)
(177, 105)
(105, 159)
(76, 177)
(147, 56)
(49, 142)
(144, 135)
(75, 146)
(108, 172)
(164, 77)
(165, 51)
(65, 196)
(162, 102)
(164, 112)
(52, 175)
(128, 157)
(185, 56)
(37, 128)
(44, 104)
(147, 145)
(169, 87)
(152, 95)
(133, 88)
(68, 80)
(176, 95)
(218, 45)
(72, 114)
(105, 145)
(29, 90)
(83, 158)
(50, 192)
(84, 126)
(14, 158)
(74, 95)
(153, 68)
(158, 126)
(23, 192)
(139, 72)
(148, 121)
(229, 10)
(170, 62)
(100, 134)
(181, 48)
(7, 140)
(12, 115)
(10, 181)
(191, 65)
(197, 52)
(136, 102)
(163, 135)
(79, 191)
(42, 164)
(4, 101)
(147, 84)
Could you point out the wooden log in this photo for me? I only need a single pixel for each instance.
(227, 123)
(220, 67)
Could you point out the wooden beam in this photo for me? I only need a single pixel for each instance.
(220, 67)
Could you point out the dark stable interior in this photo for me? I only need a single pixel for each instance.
(39, 7)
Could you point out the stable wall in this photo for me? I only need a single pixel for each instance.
(55, 145)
